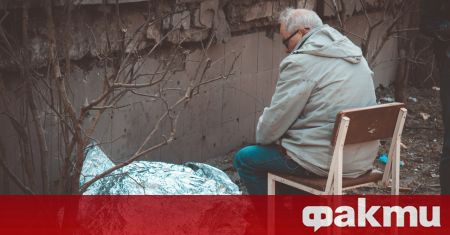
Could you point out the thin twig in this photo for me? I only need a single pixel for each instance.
(11, 174)
(388, 32)
(42, 143)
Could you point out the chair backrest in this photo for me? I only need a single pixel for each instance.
(369, 123)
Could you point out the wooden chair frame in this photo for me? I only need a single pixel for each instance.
(334, 183)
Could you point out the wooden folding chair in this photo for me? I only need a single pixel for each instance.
(356, 126)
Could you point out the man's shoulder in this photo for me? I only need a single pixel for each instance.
(304, 62)
(296, 59)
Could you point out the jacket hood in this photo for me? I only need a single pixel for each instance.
(325, 41)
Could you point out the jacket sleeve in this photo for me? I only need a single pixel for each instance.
(291, 95)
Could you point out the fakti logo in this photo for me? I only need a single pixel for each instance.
(344, 216)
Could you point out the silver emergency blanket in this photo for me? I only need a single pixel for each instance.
(153, 178)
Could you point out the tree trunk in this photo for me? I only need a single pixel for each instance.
(405, 50)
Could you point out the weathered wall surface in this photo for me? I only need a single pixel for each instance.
(223, 117)
(384, 65)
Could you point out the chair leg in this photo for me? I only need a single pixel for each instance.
(394, 149)
(337, 159)
(271, 215)
(271, 205)
(387, 175)
(338, 171)
(329, 187)
(396, 170)
(270, 185)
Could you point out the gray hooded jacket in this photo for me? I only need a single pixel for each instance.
(324, 75)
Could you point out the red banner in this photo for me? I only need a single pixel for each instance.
(225, 215)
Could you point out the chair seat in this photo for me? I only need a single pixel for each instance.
(319, 183)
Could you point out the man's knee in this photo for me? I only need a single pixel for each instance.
(244, 156)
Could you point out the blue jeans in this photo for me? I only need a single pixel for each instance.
(254, 162)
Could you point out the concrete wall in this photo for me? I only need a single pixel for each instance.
(219, 120)
(223, 117)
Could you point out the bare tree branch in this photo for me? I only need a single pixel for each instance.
(42, 143)
(122, 62)
(11, 174)
(61, 89)
(403, 10)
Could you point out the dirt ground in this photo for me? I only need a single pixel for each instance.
(422, 139)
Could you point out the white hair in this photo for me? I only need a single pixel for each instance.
(294, 19)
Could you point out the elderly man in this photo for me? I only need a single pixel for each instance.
(323, 74)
